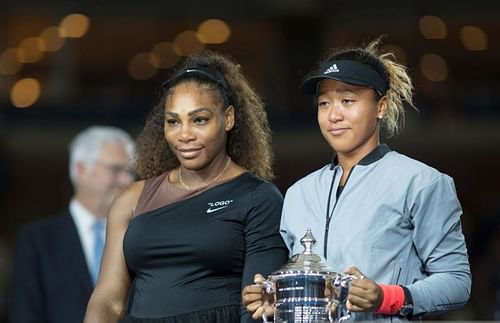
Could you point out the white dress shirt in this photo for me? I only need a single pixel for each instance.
(84, 221)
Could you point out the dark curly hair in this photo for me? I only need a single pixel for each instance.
(249, 142)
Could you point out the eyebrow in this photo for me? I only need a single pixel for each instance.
(190, 113)
(341, 90)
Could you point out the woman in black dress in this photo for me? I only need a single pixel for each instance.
(204, 219)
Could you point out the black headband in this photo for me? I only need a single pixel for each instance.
(211, 75)
(346, 71)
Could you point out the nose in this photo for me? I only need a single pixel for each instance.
(335, 113)
(186, 134)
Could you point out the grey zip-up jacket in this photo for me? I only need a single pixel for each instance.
(396, 219)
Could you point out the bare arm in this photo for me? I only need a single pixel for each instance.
(108, 301)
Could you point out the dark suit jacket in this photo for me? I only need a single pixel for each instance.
(50, 280)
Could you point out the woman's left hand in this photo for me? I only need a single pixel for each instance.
(365, 295)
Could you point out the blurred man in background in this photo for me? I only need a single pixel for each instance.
(56, 259)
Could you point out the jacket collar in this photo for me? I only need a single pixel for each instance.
(370, 158)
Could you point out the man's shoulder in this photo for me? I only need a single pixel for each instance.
(47, 224)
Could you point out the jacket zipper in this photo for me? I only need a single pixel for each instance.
(330, 214)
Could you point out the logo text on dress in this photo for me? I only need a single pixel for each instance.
(219, 205)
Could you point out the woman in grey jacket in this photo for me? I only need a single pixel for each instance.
(390, 220)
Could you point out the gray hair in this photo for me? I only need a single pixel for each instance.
(87, 145)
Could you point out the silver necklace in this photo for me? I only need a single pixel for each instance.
(204, 184)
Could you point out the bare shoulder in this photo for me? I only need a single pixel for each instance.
(126, 200)
(130, 193)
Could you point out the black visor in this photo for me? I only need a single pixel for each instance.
(348, 72)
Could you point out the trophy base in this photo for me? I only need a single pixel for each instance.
(305, 312)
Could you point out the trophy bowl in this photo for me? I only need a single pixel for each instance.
(305, 290)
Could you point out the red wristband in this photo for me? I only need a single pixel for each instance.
(393, 299)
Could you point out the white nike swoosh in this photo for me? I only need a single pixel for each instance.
(209, 210)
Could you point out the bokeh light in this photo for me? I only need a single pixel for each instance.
(165, 55)
(474, 38)
(188, 42)
(25, 92)
(432, 27)
(140, 67)
(30, 50)
(9, 64)
(214, 31)
(52, 40)
(434, 67)
(74, 25)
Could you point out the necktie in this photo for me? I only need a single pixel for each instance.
(97, 230)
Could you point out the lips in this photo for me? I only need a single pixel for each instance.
(337, 131)
(189, 153)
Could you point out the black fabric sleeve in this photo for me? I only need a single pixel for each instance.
(265, 251)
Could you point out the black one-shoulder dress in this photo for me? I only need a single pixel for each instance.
(190, 259)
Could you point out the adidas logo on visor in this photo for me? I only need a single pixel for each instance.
(332, 69)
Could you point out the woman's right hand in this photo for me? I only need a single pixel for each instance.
(256, 300)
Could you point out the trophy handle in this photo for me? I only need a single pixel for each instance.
(268, 286)
(268, 289)
(332, 308)
(343, 283)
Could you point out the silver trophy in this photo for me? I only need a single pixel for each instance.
(305, 290)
